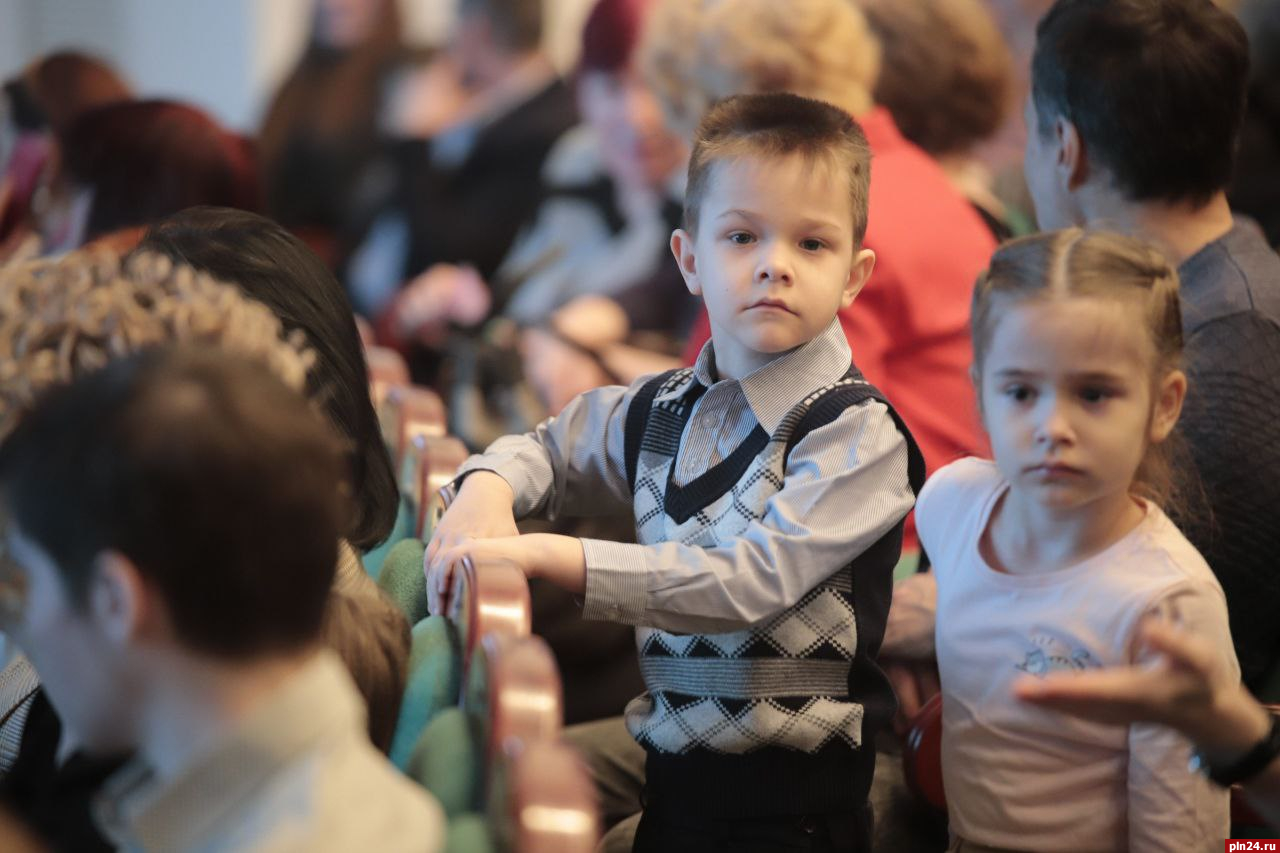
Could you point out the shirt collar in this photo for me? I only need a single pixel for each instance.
(317, 706)
(777, 387)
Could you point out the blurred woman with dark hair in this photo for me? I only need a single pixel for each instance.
(322, 127)
(271, 266)
(127, 165)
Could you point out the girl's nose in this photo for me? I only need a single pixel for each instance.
(1054, 427)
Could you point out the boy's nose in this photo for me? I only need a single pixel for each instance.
(774, 265)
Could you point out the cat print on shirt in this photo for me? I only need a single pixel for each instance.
(1053, 656)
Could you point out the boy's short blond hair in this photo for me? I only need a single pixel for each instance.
(778, 125)
(696, 52)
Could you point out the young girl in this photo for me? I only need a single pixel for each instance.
(1048, 558)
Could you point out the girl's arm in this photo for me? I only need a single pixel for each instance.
(1170, 807)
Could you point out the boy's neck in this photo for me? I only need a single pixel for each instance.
(194, 701)
(1026, 537)
(734, 361)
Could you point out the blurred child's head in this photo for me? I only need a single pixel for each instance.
(1143, 98)
(695, 52)
(636, 146)
(179, 508)
(775, 213)
(1077, 339)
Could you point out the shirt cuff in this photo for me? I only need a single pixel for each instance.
(617, 582)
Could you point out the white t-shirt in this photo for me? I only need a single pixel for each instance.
(1026, 778)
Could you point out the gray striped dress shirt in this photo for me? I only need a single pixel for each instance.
(845, 487)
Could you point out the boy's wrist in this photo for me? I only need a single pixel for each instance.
(555, 558)
(487, 484)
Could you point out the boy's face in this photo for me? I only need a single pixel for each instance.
(774, 258)
(68, 647)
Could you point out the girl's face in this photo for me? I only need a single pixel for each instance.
(1069, 400)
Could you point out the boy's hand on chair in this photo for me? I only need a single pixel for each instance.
(555, 558)
(482, 510)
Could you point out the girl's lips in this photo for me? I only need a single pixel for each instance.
(1054, 469)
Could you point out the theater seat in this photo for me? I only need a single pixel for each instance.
(469, 833)
(408, 411)
(447, 760)
(494, 602)
(387, 369)
(406, 521)
(433, 685)
(432, 462)
(512, 689)
(552, 805)
(922, 755)
(401, 578)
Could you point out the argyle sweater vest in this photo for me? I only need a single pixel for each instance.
(772, 719)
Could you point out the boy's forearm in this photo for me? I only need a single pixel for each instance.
(556, 559)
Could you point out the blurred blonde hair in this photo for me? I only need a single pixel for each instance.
(946, 72)
(696, 52)
(63, 318)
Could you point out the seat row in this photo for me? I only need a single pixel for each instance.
(482, 714)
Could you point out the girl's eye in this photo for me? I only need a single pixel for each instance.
(742, 238)
(1095, 395)
(1019, 393)
(811, 245)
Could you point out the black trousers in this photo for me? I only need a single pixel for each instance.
(664, 830)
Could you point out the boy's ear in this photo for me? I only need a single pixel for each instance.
(1073, 161)
(1167, 405)
(682, 248)
(120, 602)
(863, 263)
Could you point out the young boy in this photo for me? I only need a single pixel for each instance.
(769, 485)
(171, 534)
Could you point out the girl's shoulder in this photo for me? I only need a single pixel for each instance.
(956, 495)
(962, 480)
(1162, 557)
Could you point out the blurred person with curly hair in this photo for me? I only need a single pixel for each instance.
(946, 75)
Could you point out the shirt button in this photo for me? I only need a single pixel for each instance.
(708, 421)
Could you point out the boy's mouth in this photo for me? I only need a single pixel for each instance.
(774, 304)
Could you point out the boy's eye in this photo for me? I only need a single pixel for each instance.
(811, 245)
(742, 238)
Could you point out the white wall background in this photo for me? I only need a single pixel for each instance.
(225, 56)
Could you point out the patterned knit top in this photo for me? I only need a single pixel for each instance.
(779, 704)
